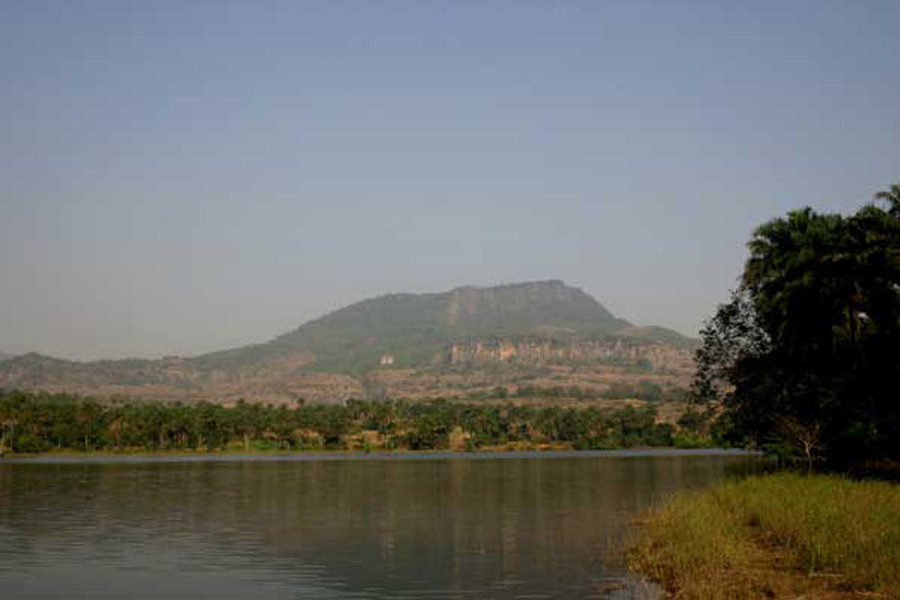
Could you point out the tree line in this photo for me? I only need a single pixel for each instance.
(40, 422)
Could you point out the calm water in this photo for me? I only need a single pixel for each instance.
(525, 526)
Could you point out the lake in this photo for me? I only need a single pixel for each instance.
(524, 525)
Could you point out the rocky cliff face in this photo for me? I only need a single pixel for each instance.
(537, 352)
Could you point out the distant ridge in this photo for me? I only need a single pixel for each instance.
(531, 321)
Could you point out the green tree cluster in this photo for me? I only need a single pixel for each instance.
(806, 355)
(39, 422)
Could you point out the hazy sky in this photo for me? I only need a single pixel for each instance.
(177, 177)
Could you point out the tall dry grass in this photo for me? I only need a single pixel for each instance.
(756, 537)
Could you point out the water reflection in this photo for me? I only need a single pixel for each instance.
(459, 528)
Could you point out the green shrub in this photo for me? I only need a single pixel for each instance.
(689, 439)
(29, 443)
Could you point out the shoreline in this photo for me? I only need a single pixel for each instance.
(318, 455)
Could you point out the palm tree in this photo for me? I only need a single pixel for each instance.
(792, 277)
(892, 197)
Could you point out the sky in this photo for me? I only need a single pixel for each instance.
(180, 177)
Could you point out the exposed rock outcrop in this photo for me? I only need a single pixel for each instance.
(481, 352)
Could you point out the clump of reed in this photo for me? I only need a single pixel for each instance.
(774, 534)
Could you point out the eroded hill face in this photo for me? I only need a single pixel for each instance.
(538, 351)
(458, 343)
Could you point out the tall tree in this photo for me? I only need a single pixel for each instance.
(811, 339)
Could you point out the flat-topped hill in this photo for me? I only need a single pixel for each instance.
(534, 322)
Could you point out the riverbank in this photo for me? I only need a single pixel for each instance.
(271, 456)
(775, 536)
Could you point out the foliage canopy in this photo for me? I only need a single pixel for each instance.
(808, 348)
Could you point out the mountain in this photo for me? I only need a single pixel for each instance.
(534, 323)
(414, 328)
(6, 356)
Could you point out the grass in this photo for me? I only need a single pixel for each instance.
(774, 536)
